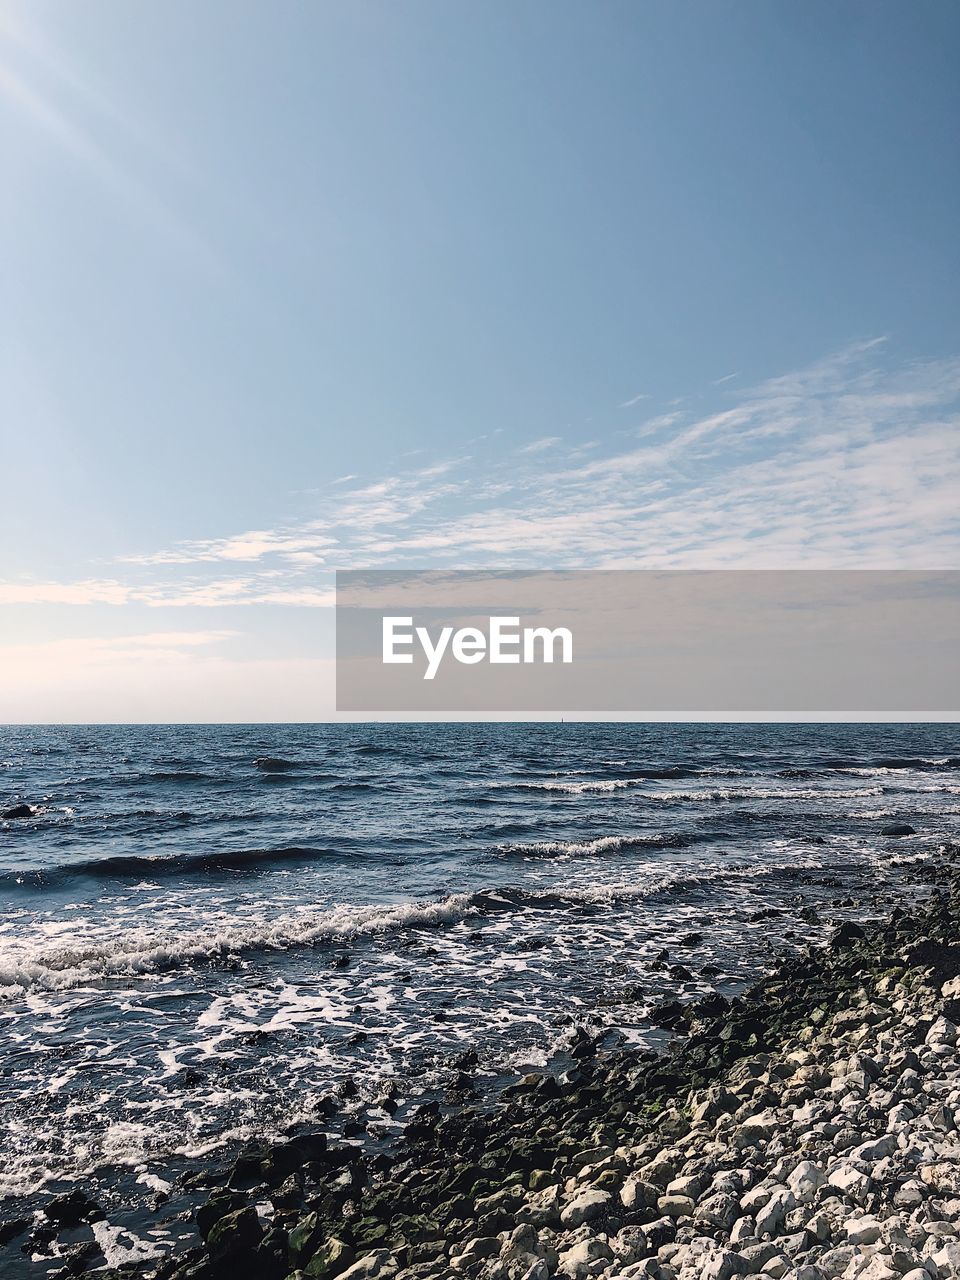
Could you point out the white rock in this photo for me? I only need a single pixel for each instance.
(942, 1032)
(876, 1149)
(865, 1230)
(805, 1180)
(875, 1269)
(771, 1218)
(379, 1263)
(577, 1262)
(585, 1207)
(947, 1258)
(851, 1181)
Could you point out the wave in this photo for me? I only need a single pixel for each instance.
(35, 964)
(716, 794)
(568, 788)
(891, 764)
(134, 867)
(601, 845)
(722, 794)
(158, 776)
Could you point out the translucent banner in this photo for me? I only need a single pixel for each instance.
(642, 642)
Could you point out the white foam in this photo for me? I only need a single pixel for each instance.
(75, 959)
(119, 1246)
(575, 848)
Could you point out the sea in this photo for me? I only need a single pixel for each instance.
(208, 932)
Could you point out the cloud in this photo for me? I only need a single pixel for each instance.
(538, 446)
(850, 462)
(86, 591)
(94, 651)
(628, 404)
(176, 677)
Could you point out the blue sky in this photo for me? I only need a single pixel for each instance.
(295, 287)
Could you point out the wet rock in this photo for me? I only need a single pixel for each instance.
(19, 811)
(73, 1208)
(332, 1258)
(217, 1207)
(897, 829)
(13, 1227)
(235, 1234)
(273, 764)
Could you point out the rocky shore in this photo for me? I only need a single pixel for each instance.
(806, 1130)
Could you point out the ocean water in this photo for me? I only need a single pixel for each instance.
(195, 949)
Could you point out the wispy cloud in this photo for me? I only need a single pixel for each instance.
(628, 404)
(538, 446)
(850, 462)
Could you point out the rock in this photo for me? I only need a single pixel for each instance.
(877, 1269)
(19, 811)
(637, 1194)
(304, 1238)
(576, 1261)
(876, 1149)
(475, 1250)
(947, 1258)
(235, 1234)
(585, 1208)
(897, 829)
(834, 1262)
(676, 1206)
(12, 1228)
(943, 1032)
(273, 764)
(864, 1230)
(851, 1181)
(755, 1130)
(771, 1218)
(719, 1210)
(332, 1258)
(73, 1208)
(806, 1180)
(380, 1262)
(217, 1207)
(846, 935)
(542, 1209)
(671, 1015)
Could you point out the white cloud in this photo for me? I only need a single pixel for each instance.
(86, 591)
(850, 462)
(538, 446)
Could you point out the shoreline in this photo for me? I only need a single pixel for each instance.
(804, 1130)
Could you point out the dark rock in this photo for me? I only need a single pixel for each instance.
(74, 1207)
(846, 935)
(272, 764)
(898, 829)
(668, 1014)
(12, 1228)
(332, 1257)
(19, 811)
(235, 1234)
(217, 1207)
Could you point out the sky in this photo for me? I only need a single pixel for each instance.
(295, 287)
